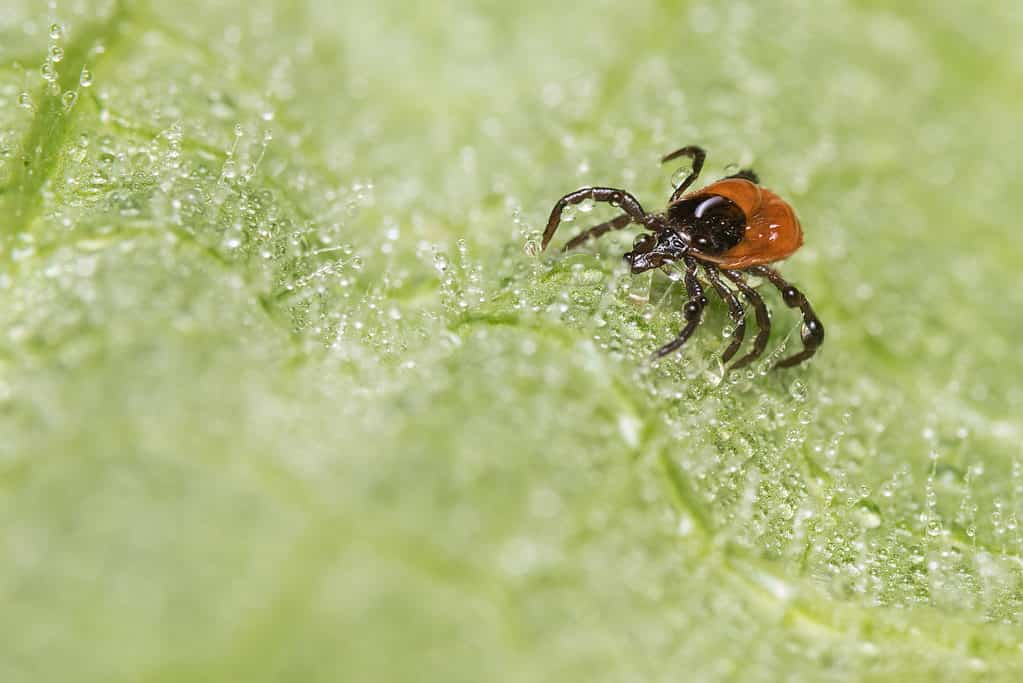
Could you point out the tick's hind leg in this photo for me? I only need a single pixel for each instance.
(812, 331)
(763, 319)
(734, 309)
(692, 311)
(698, 156)
(619, 198)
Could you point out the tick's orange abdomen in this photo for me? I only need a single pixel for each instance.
(772, 230)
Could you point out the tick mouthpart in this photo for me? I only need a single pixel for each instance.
(640, 262)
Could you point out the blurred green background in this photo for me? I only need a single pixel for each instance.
(286, 393)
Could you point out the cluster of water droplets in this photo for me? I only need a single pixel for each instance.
(50, 70)
(795, 472)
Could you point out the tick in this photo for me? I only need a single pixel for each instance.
(729, 228)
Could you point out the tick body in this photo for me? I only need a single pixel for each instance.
(729, 228)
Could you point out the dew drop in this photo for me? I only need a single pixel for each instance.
(868, 514)
(56, 53)
(532, 248)
(934, 528)
(85, 79)
(56, 31)
(630, 428)
(79, 150)
(48, 72)
(586, 205)
(440, 262)
(568, 214)
(25, 100)
(680, 176)
(68, 99)
(238, 130)
(230, 169)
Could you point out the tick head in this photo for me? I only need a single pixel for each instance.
(652, 250)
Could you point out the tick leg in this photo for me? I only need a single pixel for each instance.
(697, 155)
(619, 198)
(693, 311)
(746, 174)
(812, 331)
(734, 308)
(596, 231)
(763, 319)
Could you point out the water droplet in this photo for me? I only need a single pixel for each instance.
(586, 205)
(356, 263)
(229, 170)
(68, 99)
(85, 79)
(48, 72)
(731, 169)
(440, 262)
(25, 100)
(568, 214)
(267, 136)
(869, 514)
(56, 53)
(238, 130)
(797, 390)
(680, 176)
(630, 428)
(532, 248)
(934, 528)
(78, 151)
(56, 31)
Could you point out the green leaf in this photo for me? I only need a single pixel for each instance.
(286, 392)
